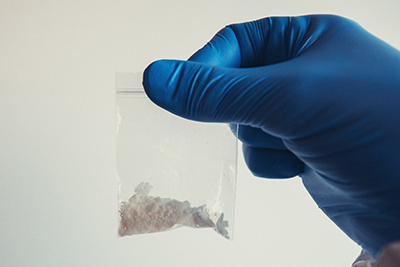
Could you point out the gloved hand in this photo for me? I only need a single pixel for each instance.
(315, 96)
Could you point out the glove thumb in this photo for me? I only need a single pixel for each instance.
(208, 93)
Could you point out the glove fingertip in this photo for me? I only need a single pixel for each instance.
(157, 80)
(270, 163)
(151, 77)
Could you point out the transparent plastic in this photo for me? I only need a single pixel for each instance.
(171, 172)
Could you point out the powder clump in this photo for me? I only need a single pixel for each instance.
(148, 214)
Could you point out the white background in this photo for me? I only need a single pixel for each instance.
(57, 154)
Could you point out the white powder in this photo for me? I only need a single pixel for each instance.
(147, 214)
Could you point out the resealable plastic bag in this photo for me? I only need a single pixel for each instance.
(171, 172)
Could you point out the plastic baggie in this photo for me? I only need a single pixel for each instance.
(171, 172)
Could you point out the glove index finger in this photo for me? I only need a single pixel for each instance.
(222, 50)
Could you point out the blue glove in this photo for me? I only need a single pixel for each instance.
(315, 96)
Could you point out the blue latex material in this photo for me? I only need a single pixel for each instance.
(315, 96)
